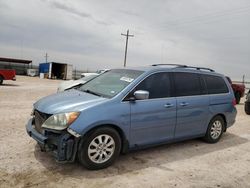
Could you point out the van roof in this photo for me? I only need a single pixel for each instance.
(175, 67)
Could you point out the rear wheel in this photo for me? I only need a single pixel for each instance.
(1, 80)
(237, 97)
(100, 148)
(215, 130)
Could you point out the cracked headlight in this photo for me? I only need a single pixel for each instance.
(60, 121)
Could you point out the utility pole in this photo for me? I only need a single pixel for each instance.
(46, 57)
(126, 47)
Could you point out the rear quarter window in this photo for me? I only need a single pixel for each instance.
(215, 84)
(187, 84)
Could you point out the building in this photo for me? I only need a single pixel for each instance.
(55, 70)
(20, 65)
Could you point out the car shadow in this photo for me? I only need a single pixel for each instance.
(10, 85)
(156, 157)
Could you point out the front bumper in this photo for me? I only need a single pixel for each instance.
(63, 146)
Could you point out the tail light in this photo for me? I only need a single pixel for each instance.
(234, 102)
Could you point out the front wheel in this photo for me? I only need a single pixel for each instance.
(215, 130)
(100, 148)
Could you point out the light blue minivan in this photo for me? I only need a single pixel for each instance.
(132, 108)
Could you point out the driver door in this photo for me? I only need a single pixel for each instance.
(153, 120)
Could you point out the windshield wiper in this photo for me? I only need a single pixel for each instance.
(92, 92)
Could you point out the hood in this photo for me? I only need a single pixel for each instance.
(68, 101)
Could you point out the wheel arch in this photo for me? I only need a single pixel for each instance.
(223, 117)
(124, 140)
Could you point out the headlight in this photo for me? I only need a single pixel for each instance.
(60, 121)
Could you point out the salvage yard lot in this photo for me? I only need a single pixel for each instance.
(185, 164)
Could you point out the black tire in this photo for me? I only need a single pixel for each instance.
(247, 107)
(1, 80)
(210, 136)
(85, 146)
(237, 97)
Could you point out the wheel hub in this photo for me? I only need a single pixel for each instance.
(216, 129)
(101, 148)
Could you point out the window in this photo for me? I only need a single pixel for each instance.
(187, 84)
(215, 84)
(158, 85)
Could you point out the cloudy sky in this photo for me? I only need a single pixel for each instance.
(87, 34)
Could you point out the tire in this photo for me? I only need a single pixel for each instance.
(1, 80)
(215, 130)
(237, 97)
(100, 148)
(247, 107)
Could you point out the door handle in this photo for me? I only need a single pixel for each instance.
(184, 104)
(168, 105)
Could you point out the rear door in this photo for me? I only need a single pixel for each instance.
(153, 120)
(192, 105)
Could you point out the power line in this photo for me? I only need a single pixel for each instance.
(126, 47)
(211, 15)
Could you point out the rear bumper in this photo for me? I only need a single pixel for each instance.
(231, 118)
(62, 146)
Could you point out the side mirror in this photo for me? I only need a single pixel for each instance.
(141, 95)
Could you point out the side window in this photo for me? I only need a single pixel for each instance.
(158, 85)
(187, 84)
(215, 84)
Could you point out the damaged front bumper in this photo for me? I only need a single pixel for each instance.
(62, 145)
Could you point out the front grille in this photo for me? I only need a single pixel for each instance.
(40, 118)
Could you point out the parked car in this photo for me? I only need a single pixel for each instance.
(102, 71)
(73, 83)
(127, 109)
(239, 90)
(247, 103)
(89, 74)
(7, 74)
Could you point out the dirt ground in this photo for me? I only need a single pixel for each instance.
(186, 164)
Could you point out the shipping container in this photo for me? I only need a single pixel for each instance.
(54, 70)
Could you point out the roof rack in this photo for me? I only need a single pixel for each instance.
(186, 66)
(199, 68)
(177, 65)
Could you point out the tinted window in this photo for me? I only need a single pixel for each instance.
(158, 85)
(187, 84)
(215, 84)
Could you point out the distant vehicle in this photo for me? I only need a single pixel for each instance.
(73, 83)
(32, 72)
(88, 74)
(247, 103)
(102, 71)
(132, 108)
(7, 74)
(239, 90)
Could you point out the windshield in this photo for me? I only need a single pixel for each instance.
(110, 83)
